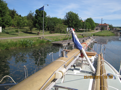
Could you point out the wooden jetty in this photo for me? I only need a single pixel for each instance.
(69, 42)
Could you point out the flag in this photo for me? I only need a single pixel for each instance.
(40, 9)
(76, 41)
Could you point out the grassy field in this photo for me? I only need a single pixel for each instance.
(15, 32)
(104, 33)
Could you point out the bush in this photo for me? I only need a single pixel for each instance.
(16, 30)
(26, 43)
(60, 28)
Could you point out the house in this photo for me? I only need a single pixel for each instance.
(102, 27)
(0, 29)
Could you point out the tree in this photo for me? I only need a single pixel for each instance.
(5, 19)
(12, 13)
(91, 22)
(52, 22)
(111, 27)
(18, 22)
(30, 18)
(102, 28)
(38, 22)
(25, 21)
(72, 20)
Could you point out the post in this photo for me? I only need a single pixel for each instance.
(92, 67)
(43, 21)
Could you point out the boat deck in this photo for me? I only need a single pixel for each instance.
(113, 84)
(74, 78)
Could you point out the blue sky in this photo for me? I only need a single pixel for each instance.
(109, 10)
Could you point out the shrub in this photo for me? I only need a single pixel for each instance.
(60, 28)
(16, 30)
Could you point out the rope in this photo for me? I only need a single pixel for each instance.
(61, 60)
(85, 44)
(7, 76)
(94, 51)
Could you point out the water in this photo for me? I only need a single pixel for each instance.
(111, 49)
(12, 62)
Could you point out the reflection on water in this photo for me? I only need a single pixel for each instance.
(12, 62)
(111, 49)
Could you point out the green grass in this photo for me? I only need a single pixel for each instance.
(104, 33)
(15, 32)
(21, 43)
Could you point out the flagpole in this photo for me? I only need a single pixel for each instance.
(43, 21)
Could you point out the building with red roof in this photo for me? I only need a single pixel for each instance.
(102, 27)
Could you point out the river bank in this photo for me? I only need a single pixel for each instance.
(23, 42)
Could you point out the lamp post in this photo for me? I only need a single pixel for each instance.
(101, 23)
(43, 19)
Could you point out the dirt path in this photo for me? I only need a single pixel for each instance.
(37, 36)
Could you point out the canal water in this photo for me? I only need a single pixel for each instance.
(21, 63)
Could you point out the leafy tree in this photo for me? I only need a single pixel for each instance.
(72, 20)
(30, 18)
(87, 25)
(91, 22)
(60, 28)
(96, 24)
(52, 22)
(102, 28)
(18, 22)
(5, 19)
(12, 13)
(111, 27)
(25, 21)
(38, 22)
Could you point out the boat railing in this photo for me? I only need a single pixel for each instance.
(62, 87)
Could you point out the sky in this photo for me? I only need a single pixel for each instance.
(109, 10)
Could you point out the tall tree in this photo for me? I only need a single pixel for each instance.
(91, 22)
(38, 22)
(72, 20)
(12, 13)
(30, 18)
(5, 19)
(50, 24)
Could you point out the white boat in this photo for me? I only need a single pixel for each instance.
(76, 70)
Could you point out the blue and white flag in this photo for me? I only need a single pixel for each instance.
(40, 9)
(76, 41)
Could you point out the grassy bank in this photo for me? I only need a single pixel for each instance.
(21, 43)
(29, 42)
(104, 33)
